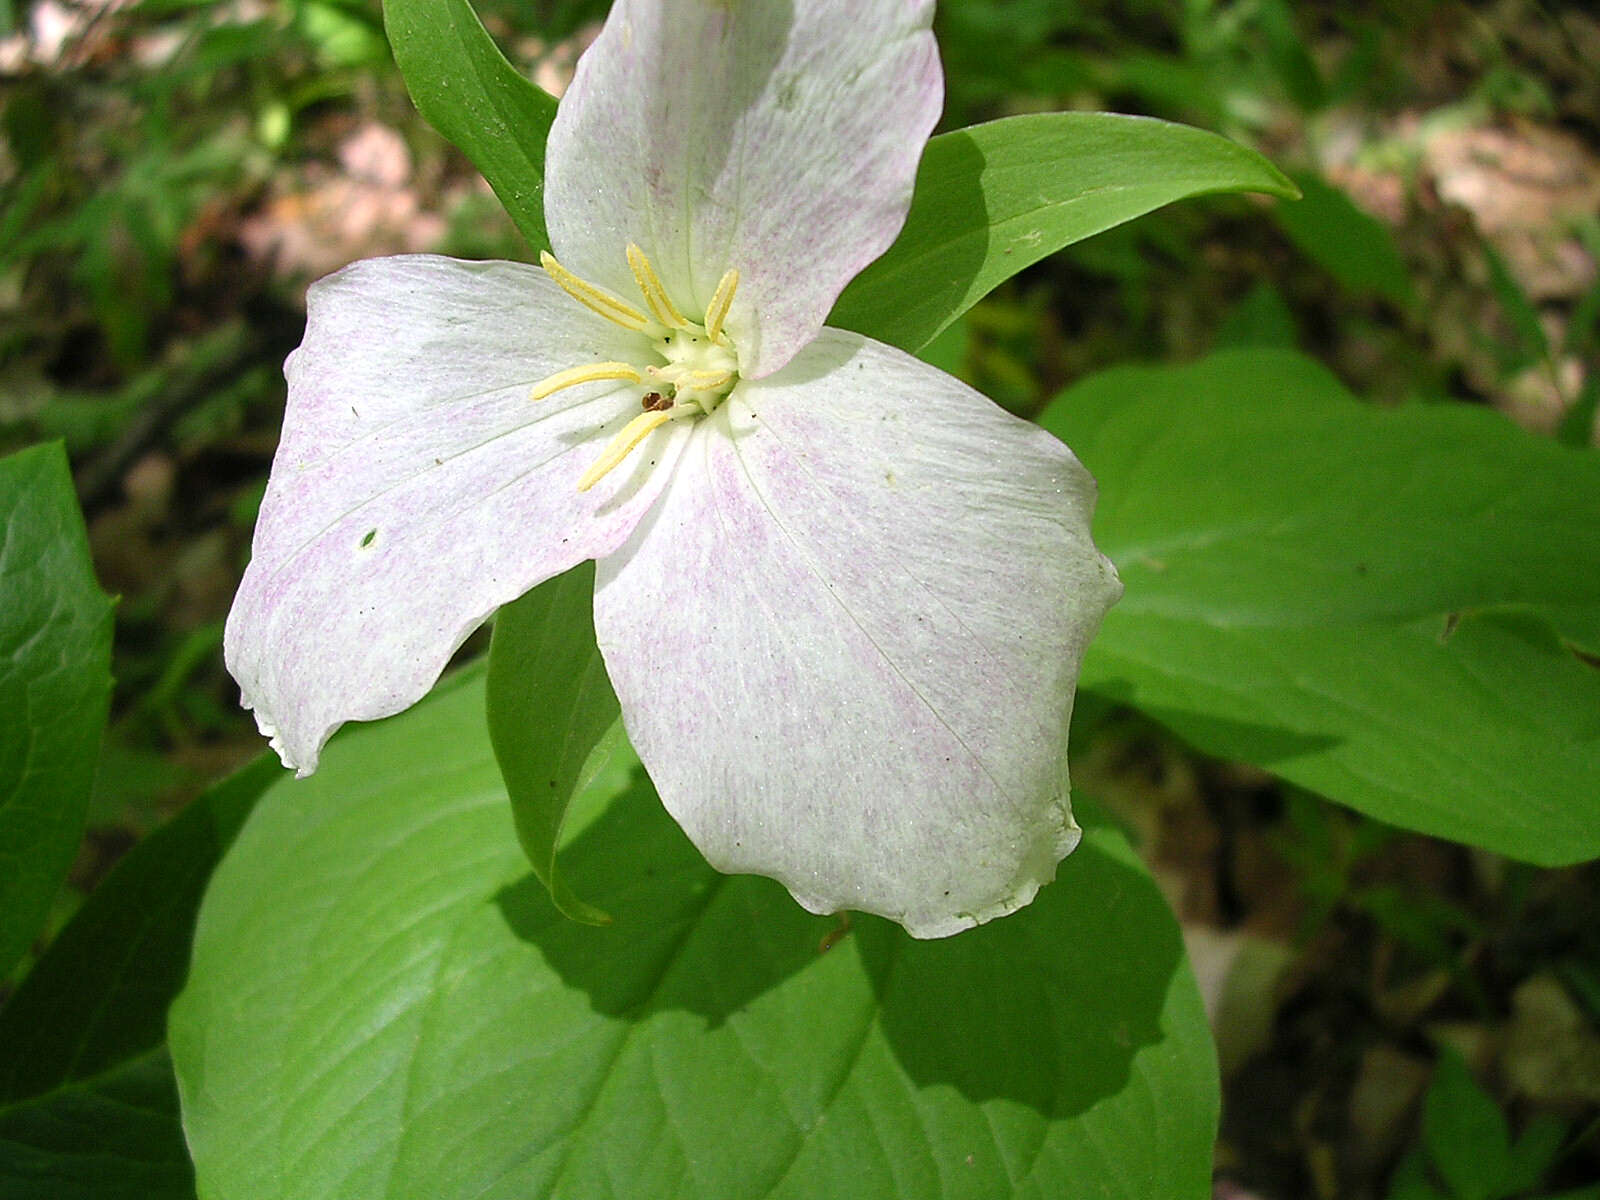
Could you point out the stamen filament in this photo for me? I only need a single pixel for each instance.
(631, 434)
(596, 299)
(591, 373)
(721, 301)
(651, 288)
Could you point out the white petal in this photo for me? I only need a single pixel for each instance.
(847, 637)
(417, 488)
(778, 137)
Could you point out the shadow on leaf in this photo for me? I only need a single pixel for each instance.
(1046, 1007)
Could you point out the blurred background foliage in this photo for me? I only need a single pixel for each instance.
(1396, 1016)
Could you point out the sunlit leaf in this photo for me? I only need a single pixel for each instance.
(1382, 606)
(995, 198)
(384, 1001)
(461, 82)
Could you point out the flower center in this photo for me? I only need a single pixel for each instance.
(699, 363)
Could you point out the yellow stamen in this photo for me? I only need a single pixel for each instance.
(703, 381)
(592, 373)
(634, 432)
(597, 299)
(721, 301)
(650, 287)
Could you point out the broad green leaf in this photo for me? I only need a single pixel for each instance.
(113, 1136)
(99, 995)
(460, 81)
(384, 1002)
(1348, 242)
(1465, 1132)
(995, 198)
(554, 721)
(55, 685)
(1369, 603)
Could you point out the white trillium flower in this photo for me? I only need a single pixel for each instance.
(842, 597)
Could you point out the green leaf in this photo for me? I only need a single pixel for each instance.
(1535, 1152)
(88, 1106)
(1366, 602)
(554, 721)
(464, 86)
(995, 198)
(1348, 242)
(111, 1137)
(55, 686)
(1577, 427)
(1465, 1132)
(1262, 320)
(1411, 1180)
(1529, 345)
(384, 1001)
(99, 995)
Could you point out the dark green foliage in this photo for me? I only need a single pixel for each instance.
(88, 1107)
(55, 683)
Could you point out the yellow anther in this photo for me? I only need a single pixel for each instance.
(721, 302)
(595, 298)
(592, 373)
(634, 432)
(651, 288)
(703, 381)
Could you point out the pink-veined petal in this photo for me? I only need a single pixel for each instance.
(417, 487)
(777, 137)
(846, 639)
